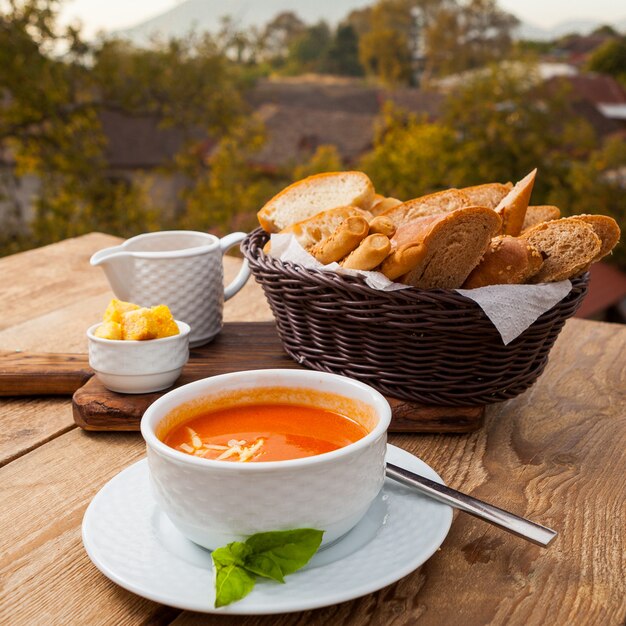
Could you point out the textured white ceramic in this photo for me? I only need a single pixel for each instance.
(215, 502)
(134, 544)
(180, 268)
(138, 366)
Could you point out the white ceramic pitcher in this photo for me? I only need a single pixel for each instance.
(180, 268)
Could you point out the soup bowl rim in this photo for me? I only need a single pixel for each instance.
(376, 400)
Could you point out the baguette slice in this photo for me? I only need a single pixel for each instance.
(606, 228)
(315, 194)
(508, 261)
(489, 195)
(512, 208)
(312, 230)
(438, 203)
(452, 245)
(568, 246)
(538, 214)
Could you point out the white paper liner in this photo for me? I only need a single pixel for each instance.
(511, 308)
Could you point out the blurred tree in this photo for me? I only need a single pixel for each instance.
(53, 87)
(510, 122)
(307, 51)
(226, 190)
(464, 36)
(342, 55)
(325, 159)
(597, 184)
(278, 34)
(411, 156)
(610, 58)
(385, 48)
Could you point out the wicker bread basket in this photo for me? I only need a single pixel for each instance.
(432, 347)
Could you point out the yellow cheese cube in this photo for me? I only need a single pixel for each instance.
(109, 330)
(116, 309)
(164, 320)
(138, 325)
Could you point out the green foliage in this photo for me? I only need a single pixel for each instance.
(385, 48)
(465, 36)
(227, 191)
(342, 55)
(325, 159)
(411, 157)
(610, 58)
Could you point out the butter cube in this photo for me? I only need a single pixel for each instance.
(109, 330)
(164, 320)
(116, 309)
(138, 325)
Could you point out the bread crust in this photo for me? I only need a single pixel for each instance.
(508, 261)
(439, 203)
(538, 214)
(512, 208)
(467, 231)
(606, 228)
(568, 246)
(268, 220)
(341, 242)
(489, 194)
(370, 253)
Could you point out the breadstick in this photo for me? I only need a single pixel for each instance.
(370, 253)
(382, 225)
(340, 243)
(402, 261)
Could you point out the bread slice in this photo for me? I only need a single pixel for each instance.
(487, 195)
(606, 228)
(508, 261)
(568, 246)
(315, 194)
(312, 230)
(453, 245)
(512, 208)
(538, 214)
(438, 203)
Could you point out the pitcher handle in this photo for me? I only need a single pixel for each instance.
(226, 243)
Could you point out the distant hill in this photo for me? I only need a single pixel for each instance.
(205, 15)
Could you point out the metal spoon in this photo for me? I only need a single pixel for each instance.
(510, 522)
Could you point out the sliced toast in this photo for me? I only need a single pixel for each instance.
(452, 245)
(312, 195)
(568, 246)
(606, 228)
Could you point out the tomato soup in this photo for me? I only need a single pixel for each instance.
(264, 432)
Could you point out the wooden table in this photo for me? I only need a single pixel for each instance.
(557, 454)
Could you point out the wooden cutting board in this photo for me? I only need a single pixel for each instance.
(240, 346)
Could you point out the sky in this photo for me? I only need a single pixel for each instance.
(116, 14)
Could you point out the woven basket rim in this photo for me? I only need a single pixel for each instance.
(332, 278)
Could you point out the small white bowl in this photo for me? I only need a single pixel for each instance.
(139, 366)
(215, 502)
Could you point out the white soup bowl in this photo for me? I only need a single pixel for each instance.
(215, 502)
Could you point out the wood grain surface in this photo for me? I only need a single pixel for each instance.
(97, 408)
(555, 454)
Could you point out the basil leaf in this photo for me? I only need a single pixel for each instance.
(265, 565)
(232, 583)
(234, 553)
(288, 549)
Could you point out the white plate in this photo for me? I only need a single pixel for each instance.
(135, 545)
